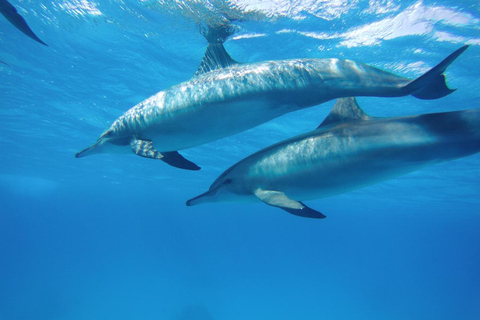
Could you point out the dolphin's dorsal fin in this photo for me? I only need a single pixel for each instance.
(345, 109)
(216, 57)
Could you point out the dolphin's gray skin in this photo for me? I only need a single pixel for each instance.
(16, 19)
(225, 98)
(349, 150)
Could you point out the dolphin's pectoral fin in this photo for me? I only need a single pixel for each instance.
(145, 148)
(280, 200)
(175, 159)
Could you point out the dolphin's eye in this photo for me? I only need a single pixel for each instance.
(227, 181)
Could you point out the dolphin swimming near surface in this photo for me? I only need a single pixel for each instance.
(225, 97)
(9, 12)
(349, 150)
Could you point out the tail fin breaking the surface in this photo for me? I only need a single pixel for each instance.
(432, 84)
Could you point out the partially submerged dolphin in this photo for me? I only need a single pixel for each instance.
(225, 97)
(349, 150)
(9, 12)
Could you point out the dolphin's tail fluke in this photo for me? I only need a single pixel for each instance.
(432, 85)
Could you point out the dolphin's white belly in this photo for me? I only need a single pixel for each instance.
(207, 123)
(333, 180)
(321, 183)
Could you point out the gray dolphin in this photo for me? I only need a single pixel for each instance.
(9, 12)
(349, 150)
(225, 98)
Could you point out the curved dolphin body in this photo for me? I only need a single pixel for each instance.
(225, 98)
(349, 150)
(9, 12)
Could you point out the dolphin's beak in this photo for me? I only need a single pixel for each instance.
(203, 198)
(93, 149)
(88, 151)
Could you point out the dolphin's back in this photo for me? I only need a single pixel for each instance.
(303, 82)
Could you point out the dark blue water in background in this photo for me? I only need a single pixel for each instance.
(110, 237)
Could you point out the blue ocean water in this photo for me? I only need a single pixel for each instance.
(110, 237)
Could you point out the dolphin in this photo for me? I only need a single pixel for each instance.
(349, 150)
(225, 97)
(9, 12)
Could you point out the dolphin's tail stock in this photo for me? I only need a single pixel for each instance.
(432, 85)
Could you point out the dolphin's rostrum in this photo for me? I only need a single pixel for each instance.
(349, 150)
(225, 98)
